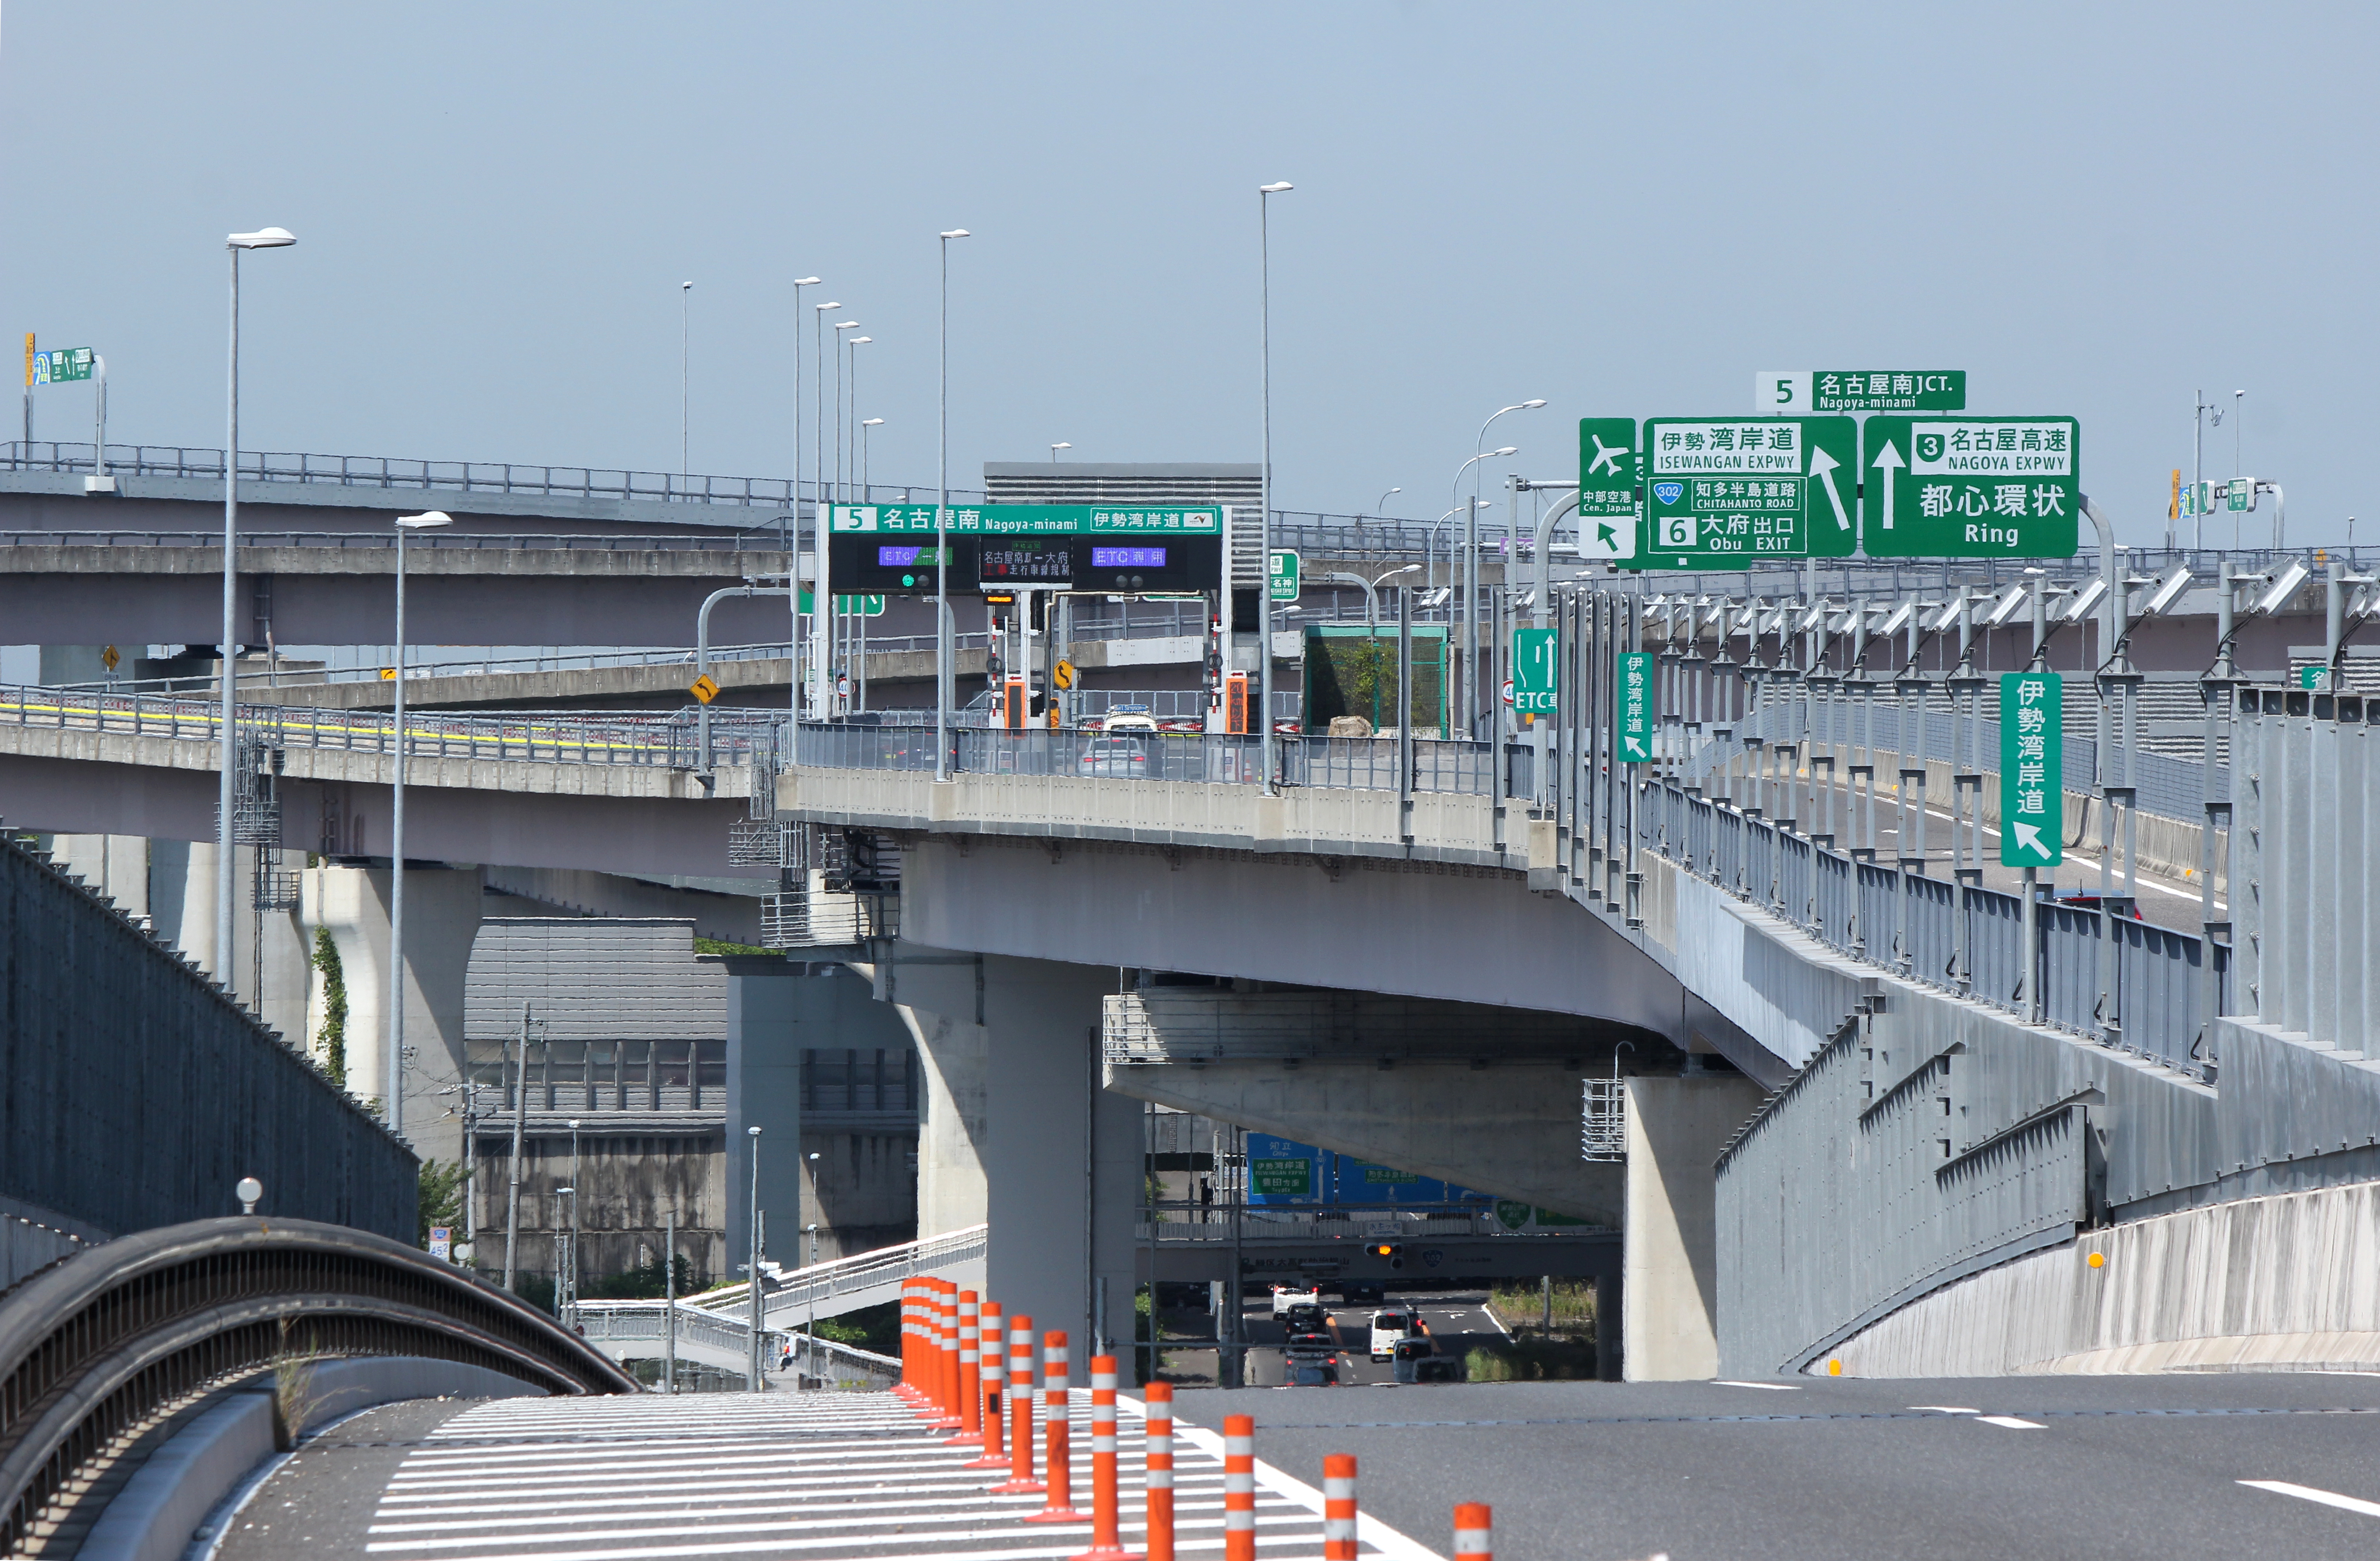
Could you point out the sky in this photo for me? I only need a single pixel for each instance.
(2096, 210)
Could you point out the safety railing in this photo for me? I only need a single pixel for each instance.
(765, 539)
(641, 1330)
(1189, 1223)
(1953, 935)
(795, 1291)
(667, 741)
(100, 1345)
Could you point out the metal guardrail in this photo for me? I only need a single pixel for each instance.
(98, 1346)
(1193, 1224)
(666, 741)
(862, 1271)
(646, 1323)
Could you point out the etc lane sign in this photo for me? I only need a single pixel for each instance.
(1536, 678)
(1970, 487)
(1724, 492)
(1281, 576)
(2032, 815)
(1635, 707)
(1800, 391)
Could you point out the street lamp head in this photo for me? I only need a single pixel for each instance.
(823, 308)
(1530, 406)
(847, 326)
(262, 238)
(427, 521)
(856, 341)
(1274, 189)
(805, 281)
(1508, 449)
(958, 233)
(249, 1192)
(684, 286)
(754, 1131)
(870, 422)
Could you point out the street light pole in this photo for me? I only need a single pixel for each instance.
(684, 308)
(262, 238)
(394, 1028)
(757, 1385)
(865, 426)
(1264, 572)
(944, 653)
(821, 512)
(794, 553)
(857, 438)
(1471, 576)
(1061, 444)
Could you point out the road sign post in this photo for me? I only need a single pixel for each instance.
(1610, 491)
(1536, 677)
(1970, 487)
(1726, 492)
(2032, 815)
(1280, 574)
(1635, 710)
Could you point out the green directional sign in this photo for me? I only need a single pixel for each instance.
(1282, 1179)
(1611, 495)
(1795, 391)
(62, 364)
(1725, 493)
(1032, 518)
(1970, 487)
(1536, 678)
(850, 607)
(2316, 679)
(1280, 576)
(2240, 495)
(2032, 815)
(1635, 707)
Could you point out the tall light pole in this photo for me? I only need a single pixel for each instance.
(852, 348)
(794, 553)
(1265, 192)
(840, 326)
(1381, 508)
(1061, 444)
(944, 653)
(754, 1134)
(685, 308)
(396, 1027)
(1471, 577)
(262, 238)
(1372, 594)
(822, 504)
(865, 425)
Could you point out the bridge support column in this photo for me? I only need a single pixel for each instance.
(180, 897)
(773, 1010)
(1670, 1267)
(939, 998)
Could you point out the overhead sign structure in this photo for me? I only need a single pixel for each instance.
(1610, 491)
(1281, 1177)
(1802, 391)
(2240, 495)
(1280, 574)
(1635, 707)
(2032, 815)
(1724, 492)
(61, 365)
(1536, 676)
(849, 607)
(1972, 487)
(892, 548)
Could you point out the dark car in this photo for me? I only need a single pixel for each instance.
(1306, 1318)
(1310, 1342)
(1312, 1373)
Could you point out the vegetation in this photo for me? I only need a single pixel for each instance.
(720, 945)
(332, 1037)
(873, 1329)
(649, 1281)
(1520, 1305)
(1531, 1361)
(438, 1196)
(1532, 1354)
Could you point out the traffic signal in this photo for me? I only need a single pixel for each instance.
(1391, 1250)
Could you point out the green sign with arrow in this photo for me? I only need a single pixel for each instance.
(1970, 487)
(1610, 488)
(1536, 677)
(1726, 492)
(2032, 815)
(1635, 707)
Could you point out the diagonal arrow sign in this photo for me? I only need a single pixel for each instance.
(1822, 467)
(1887, 461)
(2028, 837)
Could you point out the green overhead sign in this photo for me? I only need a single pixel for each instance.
(61, 365)
(1726, 492)
(1024, 520)
(2032, 815)
(1793, 391)
(1282, 1179)
(1972, 487)
(1611, 495)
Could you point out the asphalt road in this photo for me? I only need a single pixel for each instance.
(1454, 1323)
(2075, 1467)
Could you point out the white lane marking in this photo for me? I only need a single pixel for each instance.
(844, 1539)
(1368, 1529)
(2308, 1493)
(1764, 1386)
(1945, 1409)
(2009, 1422)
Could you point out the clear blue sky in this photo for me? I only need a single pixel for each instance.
(2096, 209)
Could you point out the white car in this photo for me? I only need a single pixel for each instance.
(1284, 1296)
(1388, 1328)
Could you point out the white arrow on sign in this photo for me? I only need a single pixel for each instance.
(1822, 467)
(2028, 838)
(1887, 461)
(1635, 747)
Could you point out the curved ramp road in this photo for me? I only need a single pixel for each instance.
(652, 1478)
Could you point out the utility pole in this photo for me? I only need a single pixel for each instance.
(758, 1384)
(669, 1301)
(512, 1195)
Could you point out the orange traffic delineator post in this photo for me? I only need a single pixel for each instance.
(1339, 1507)
(995, 1450)
(1107, 1522)
(946, 1351)
(901, 1389)
(1475, 1533)
(913, 1334)
(1020, 1410)
(1239, 1488)
(1057, 1456)
(1157, 1495)
(970, 1372)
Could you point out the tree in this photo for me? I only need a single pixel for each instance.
(333, 1038)
(439, 1194)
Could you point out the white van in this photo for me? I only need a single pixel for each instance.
(1391, 1326)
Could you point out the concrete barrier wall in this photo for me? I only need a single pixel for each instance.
(2265, 1283)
